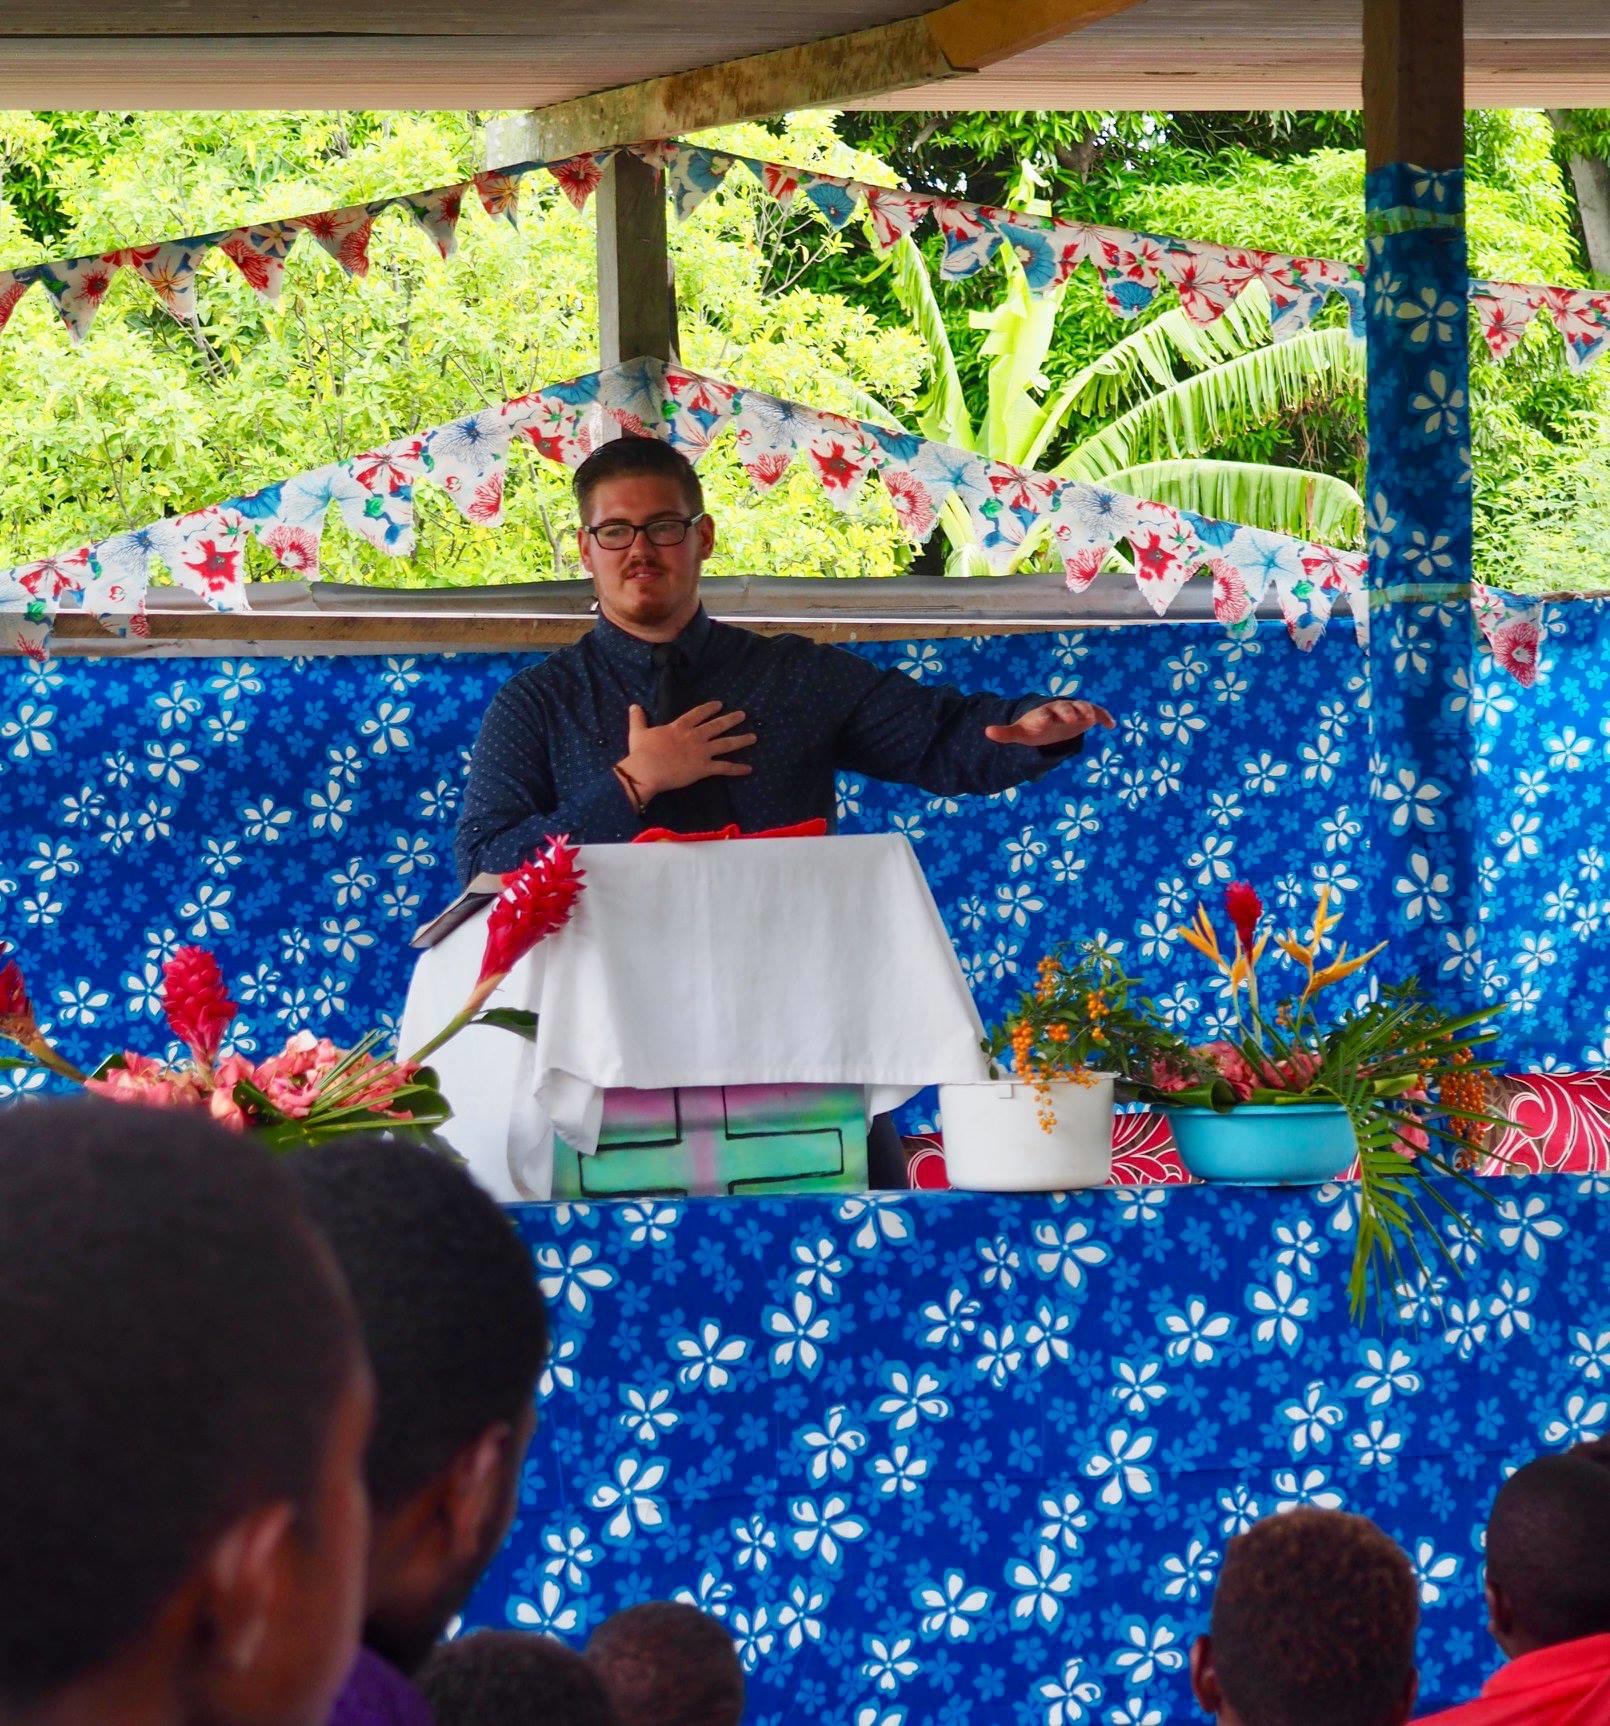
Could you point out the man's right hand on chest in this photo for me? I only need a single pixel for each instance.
(695, 746)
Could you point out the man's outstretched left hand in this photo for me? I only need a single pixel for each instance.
(1051, 723)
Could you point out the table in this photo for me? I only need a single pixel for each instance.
(818, 962)
(964, 1455)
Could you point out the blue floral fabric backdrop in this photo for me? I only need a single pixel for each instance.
(951, 1457)
(295, 815)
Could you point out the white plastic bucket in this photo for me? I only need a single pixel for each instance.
(994, 1142)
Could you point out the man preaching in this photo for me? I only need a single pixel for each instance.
(660, 717)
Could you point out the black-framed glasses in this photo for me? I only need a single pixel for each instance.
(663, 530)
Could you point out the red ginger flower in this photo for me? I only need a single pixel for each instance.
(196, 1001)
(1244, 908)
(16, 1010)
(537, 899)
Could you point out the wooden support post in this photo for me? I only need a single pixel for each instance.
(1414, 82)
(636, 297)
(1427, 801)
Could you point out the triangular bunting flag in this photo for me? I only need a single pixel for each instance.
(469, 459)
(25, 619)
(834, 198)
(52, 577)
(1130, 265)
(169, 271)
(780, 183)
(1088, 521)
(918, 476)
(1166, 552)
(769, 431)
(1506, 310)
(344, 234)
(120, 574)
(970, 237)
(1305, 600)
(1261, 558)
(13, 285)
(697, 409)
(693, 173)
(1048, 251)
(259, 253)
(1511, 628)
(288, 519)
(499, 192)
(557, 425)
(438, 213)
(1206, 278)
(1582, 316)
(374, 494)
(205, 551)
(894, 214)
(842, 454)
(1004, 503)
(578, 176)
(77, 286)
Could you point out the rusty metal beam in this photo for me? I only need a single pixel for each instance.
(962, 37)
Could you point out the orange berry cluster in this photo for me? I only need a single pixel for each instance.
(1460, 1088)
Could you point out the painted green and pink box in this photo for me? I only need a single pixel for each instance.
(709, 1140)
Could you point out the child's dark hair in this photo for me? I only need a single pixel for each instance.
(446, 1294)
(1314, 1622)
(174, 1340)
(512, 1678)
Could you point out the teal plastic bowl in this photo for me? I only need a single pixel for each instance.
(1265, 1144)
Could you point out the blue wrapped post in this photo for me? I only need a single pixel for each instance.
(1423, 767)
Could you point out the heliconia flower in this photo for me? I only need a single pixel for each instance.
(537, 899)
(1243, 907)
(196, 1001)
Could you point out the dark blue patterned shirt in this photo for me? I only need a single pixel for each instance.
(544, 761)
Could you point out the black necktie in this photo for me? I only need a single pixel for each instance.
(704, 805)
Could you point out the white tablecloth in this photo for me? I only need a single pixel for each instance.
(789, 961)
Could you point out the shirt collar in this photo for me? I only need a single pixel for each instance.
(631, 653)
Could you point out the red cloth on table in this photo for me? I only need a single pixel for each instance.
(1566, 1685)
(815, 828)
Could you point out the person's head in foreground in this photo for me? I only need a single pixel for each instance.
(512, 1678)
(187, 1408)
(447, 1299)
(644, 534)
(1548, 1554)
(1314, 1620)
(666, 1663)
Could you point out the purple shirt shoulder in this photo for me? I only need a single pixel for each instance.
(377, 1694)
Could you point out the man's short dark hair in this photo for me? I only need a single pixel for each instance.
(174, 1342)
(1548, 1547)
(446, 1294)
(666, 1663)
(512, 1678)
(1314, 1622)
(627, 457)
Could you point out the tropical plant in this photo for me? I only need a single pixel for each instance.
(1143, 417)
(1406, 1072)
(1081, 1021)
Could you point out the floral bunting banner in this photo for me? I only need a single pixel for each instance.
(1132, 265)
(1007, 508)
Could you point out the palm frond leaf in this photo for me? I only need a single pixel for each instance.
(1314, 506)
(1196, 414)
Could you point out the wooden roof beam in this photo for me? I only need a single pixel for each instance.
(964, 36)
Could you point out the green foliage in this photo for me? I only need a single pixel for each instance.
(1144, 415)
(148, 420)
